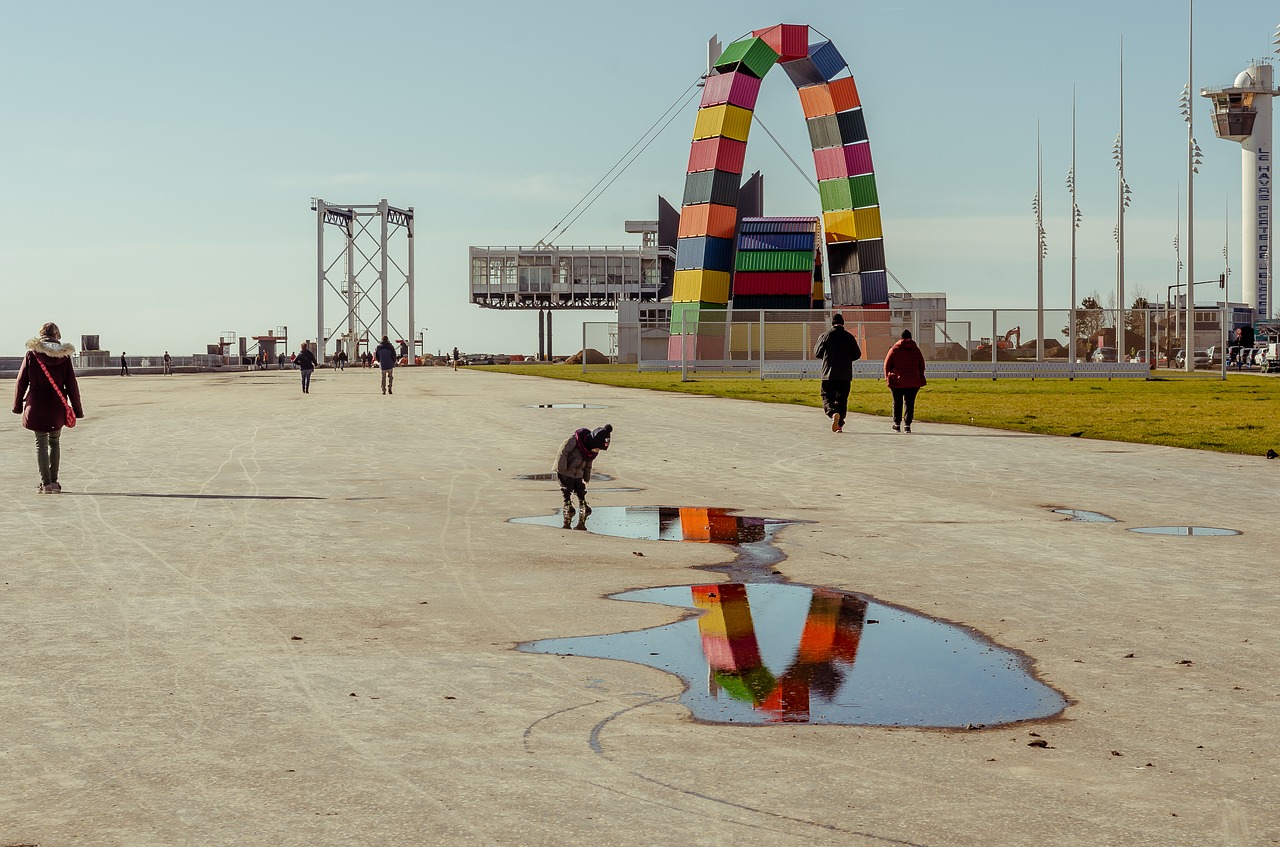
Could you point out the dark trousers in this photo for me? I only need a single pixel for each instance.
(835, 397)
(907, 397)
(570, 486)
(306, 380)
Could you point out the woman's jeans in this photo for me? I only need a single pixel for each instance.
(48, 453)
(907, 396)
(306, 379)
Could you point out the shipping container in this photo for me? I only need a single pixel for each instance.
(752, 55)
(730, 121)
(698, 317)
(844, 94)
(824, 132)
(716, 186)
(707, 219)
(713, 254)
(789, 41)
(851, 126)
(822, 64)
(772, 283)
(875, 287)
(775, 260)
(816, 101)
(870, 254)
(767, 225)
(835, 194)
(776, 241)
(862, 191)
(763, 301)
(718, 153)
(701, 286)
(735, 88)
(857, 158)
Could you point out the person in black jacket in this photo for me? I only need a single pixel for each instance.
(306, 362)
(838, 350)
(385, 353)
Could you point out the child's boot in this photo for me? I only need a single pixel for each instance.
(582, 504)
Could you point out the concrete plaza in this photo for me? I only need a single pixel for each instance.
(267, 618)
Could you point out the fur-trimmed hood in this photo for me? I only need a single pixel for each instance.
(53, 349)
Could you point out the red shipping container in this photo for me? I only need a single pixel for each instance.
(772, 283)
(857, 158)
(717, 154)
(789, 41)
(734, 88)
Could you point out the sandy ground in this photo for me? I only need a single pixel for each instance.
(258, 617)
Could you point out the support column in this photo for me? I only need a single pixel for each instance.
(319, 269)
(550, 355)
(542, 336)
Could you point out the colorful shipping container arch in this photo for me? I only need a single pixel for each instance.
(708, 267)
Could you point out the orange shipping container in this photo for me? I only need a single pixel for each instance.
(816, 101)
(711, 219)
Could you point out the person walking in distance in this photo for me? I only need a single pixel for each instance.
(838, 350)
(306, 362)
(573, 465)
(455, 358)
(904, 371)
(48, 398)
(168, 363)
(124, 366)
(385, 353)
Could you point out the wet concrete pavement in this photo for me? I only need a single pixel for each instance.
(261, 617)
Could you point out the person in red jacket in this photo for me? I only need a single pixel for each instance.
(39, 399)
(904, 371)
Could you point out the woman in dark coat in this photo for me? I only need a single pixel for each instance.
(306, 362)
(35, 397)
(904, 371)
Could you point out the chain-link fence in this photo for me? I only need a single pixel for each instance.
(957, 343)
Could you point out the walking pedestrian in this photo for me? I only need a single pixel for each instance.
(455, 358)
(168, 363)
(904, 371)
(124, 366)
(306, 362)
(573, 466)
(342, 360)
(386, 355)
(838, 350)
(48, 398)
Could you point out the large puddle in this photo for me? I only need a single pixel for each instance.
(1183, 530)
(1084, 515)
(775, 653)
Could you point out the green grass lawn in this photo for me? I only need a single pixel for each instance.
(1235, 416)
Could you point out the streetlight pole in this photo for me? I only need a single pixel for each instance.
(1122, 202)
(1193, 153)
(1075, 225)
(1041, 247)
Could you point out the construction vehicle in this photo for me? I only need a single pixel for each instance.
(1011, 340)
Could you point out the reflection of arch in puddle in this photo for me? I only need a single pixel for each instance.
(750, 537)
(1183, 530)
(1084, 516)
(770, 653)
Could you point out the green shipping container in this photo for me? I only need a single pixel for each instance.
(774, 260)
(856, 192)
(687, 318)
(755, 56)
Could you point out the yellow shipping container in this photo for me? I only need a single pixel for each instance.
(726, 120)
(703, 286)
(854, 225)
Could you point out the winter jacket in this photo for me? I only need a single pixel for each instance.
(904, 365)
(576, 456)
(306, 360)
(386, 355)
(34, 396)
(838, 350)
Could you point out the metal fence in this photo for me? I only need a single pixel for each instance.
(957, 343)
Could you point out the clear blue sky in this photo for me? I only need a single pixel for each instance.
(158, 158)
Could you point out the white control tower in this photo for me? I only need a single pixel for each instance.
(1243, 113)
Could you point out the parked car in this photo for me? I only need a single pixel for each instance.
(1200, 359)
(1104, 354)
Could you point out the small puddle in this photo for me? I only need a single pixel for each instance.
(1184, 530)
(751, 538)
(1082, 515)
(564, 406)
(779, 653)
(542, 477)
